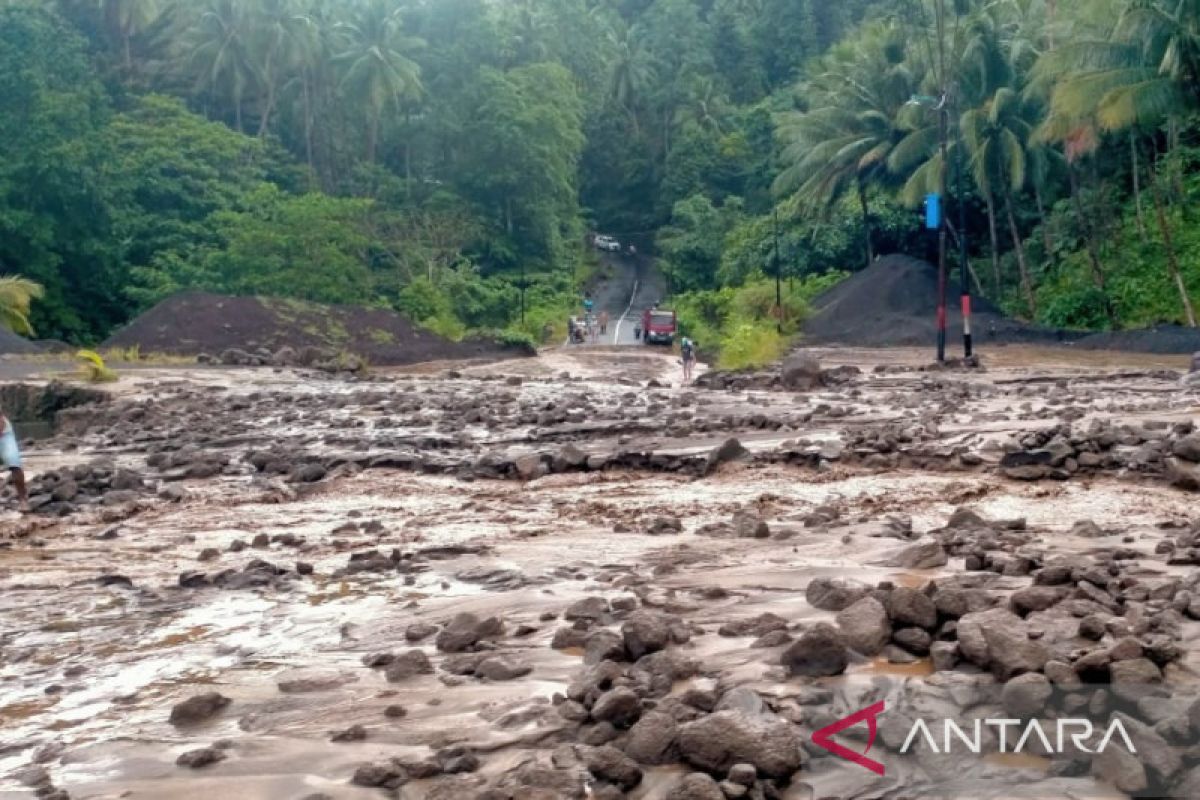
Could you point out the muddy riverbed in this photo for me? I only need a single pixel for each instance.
(570, 577)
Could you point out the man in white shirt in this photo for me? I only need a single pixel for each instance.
(11, 454)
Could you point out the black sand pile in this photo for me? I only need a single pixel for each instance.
(1161, 339)
(11, 343)
(894, 302)
(193, 323)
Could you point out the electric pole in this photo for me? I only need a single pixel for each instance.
(778, 277)
(943, 131)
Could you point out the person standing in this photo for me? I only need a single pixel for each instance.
(11, 454)
(688, 350)
(603, 323)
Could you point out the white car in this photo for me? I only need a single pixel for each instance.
(608, 244)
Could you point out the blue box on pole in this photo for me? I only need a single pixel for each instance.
(933, 211)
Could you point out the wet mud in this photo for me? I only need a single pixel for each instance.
(408, 585)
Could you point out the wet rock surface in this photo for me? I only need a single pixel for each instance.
(485, 584)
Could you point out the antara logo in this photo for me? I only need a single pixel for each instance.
(870, 715)
(1079, 732)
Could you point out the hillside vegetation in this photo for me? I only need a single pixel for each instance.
(437, 156)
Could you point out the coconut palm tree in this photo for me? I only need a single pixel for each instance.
(377, 70)
(1145, 74)
(283, 36)
(126, 19)
(221, 53)
(843, 143)
(16, 297)
(995, 136)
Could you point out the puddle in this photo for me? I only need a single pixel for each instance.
(922, 668)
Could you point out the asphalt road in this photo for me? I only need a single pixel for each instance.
(636, 285)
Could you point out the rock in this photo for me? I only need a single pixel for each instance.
(395, 711)
(1092, 627)
(1195, 364)
(502, 668)
(662, 526)
(419, 631)
(465, 631)
(719, 741)
(999, 640)
(730, 450)
(355, 733)
(609, 764)
(749, 526)
(760, 626)
(198, 759)
(926, 554)
(1026, 695)
(914, 640)
(1183, 474)
(531, 467)
(408, 665)
(603, 646)
(620, 706)
(865, 626)
(198, 709)
(457, 760)
(944, 656)
(1122, 769)
(646, 632)
(651, 740)
(1152, 750)
(589, 608)
(834, 594)
(743, 774)
(696, 786)
(801, 372)
(1136, 673)
(820, 651)
(909, 607)
(1035, 598)
(1187, 448)
(308, 473)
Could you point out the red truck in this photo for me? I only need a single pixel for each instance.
(658, 326)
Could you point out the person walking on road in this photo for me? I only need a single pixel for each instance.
(11, 454)
(688, 350)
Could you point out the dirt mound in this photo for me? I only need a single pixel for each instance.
(192, 323)
(1162, 339)
(894, 302)
(11, 343)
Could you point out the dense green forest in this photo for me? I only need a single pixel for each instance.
(435, 155)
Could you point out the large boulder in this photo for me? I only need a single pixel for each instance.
(834, 594)
(652, 740)
(865, 626)
(646, 632)
(802, 372)
(821, 651)
(908, 607)
(999, 640)
(609, 764)
(620, 706)
(719, 741)
(925, 554)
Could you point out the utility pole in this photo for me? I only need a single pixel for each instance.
(778, 277)
(943, 131)
(963, 266)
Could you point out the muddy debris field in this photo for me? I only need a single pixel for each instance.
(569, 577)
